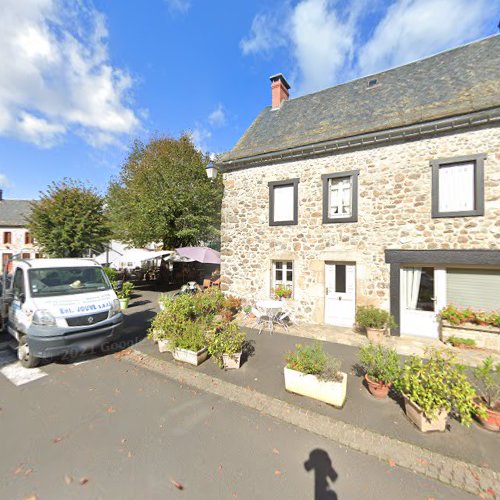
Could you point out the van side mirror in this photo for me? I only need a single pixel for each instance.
(22, 297)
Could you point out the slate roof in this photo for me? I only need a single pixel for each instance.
(455, 82)
(14, 212)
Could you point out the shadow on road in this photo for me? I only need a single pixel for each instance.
(324, 474)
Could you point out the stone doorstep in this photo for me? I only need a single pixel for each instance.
(456, 473)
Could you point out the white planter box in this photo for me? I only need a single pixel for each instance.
(231, 361)
(333, 393)
(191, 357)
(164, 346)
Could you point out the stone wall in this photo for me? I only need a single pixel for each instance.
(487, 337)
(394, 211)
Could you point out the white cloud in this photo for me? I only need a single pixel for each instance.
(412, 29)
(200, 135)
(56, 75)
(178, 5)
(217, 118)
(326, 43)
(4, 181)
(265, 35)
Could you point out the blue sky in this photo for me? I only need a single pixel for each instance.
(81, 80)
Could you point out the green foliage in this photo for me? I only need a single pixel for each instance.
(111, 273)
(438, 383)
(163, 194)
(381, 364)
(126, 290)
(69, 219)
(457, 316)
(487, 381)
(373, 317)
(313, 360)
(458, 341)
(282, 292)
(194, 336)
(229, 339)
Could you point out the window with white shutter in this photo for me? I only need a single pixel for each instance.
(458, 186)
(340, 197)
(283, 203)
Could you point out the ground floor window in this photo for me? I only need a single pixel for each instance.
(418, 283)
(475, 288)
(282, 274)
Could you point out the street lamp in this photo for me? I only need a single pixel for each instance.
(212, 170)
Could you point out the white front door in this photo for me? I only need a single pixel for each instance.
(423, 295)
(340, 294)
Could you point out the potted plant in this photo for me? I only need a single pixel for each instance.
(487, 384)
(124, 294)
(309, 371)
(382, 368)
(435, 387)
(190, 345)
(282, 292)
(226, 346)
(376, 321)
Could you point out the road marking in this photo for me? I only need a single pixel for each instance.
(11, 368)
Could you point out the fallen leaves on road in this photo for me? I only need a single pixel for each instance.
(277, 472)
(129, 454)
(57, 439)
(219, 468)
(20, 470)
(68, 479)
(84, 480)
(391, 462)
(276, 451)
(177, 484)
(111, 409)
(32, 497)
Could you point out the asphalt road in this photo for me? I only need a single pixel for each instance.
(107, 429)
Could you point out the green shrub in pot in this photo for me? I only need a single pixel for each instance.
(438, 384)
(229, 339)
(373, 317)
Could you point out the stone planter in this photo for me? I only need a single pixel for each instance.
(492, 420)
(231, 361)
(486, 337)
(333, 393)
(416, 415)
(375, 334)
(191, 357)
(123, 303)
(377, 389)
(164, 345)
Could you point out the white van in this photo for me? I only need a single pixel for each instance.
(57, 307)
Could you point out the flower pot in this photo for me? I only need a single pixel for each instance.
(191, 357)
(231, 361)
(492, 420)
(331, 392)
(416, 415)
(123, 303)
(375, 334)
(164, 345)
(377, 389)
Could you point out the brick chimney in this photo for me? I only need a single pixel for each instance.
(279, 90)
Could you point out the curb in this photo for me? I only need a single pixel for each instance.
(456, 473)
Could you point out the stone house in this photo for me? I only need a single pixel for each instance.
(384, 190)
(14, 236)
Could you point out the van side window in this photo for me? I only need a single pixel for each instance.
(18, 284)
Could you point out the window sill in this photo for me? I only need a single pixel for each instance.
(340, 220)
(470, 213)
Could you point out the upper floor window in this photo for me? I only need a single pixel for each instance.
(7, 237)
(283, 202)
(340, 197)
(458, 186)
(28, 240)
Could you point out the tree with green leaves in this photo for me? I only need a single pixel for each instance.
(69, 219)
(162, 194)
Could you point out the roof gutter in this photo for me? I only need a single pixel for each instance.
(410, 132)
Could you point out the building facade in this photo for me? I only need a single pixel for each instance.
(383, 191)
(14, 236)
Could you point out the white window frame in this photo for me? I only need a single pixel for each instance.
(328, 180)
(284, 270)
(478, 188)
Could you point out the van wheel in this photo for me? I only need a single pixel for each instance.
(23, 354)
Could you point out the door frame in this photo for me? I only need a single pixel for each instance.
(335, 263)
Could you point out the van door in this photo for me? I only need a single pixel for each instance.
(17, 316)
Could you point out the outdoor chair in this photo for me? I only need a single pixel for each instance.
(206, 283)
(261, 319)
(282, 319)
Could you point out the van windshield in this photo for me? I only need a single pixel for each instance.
(66, 281)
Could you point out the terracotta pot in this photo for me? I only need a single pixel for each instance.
(378, 389)
(492, 420)
(375, 334)
(416, 415)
